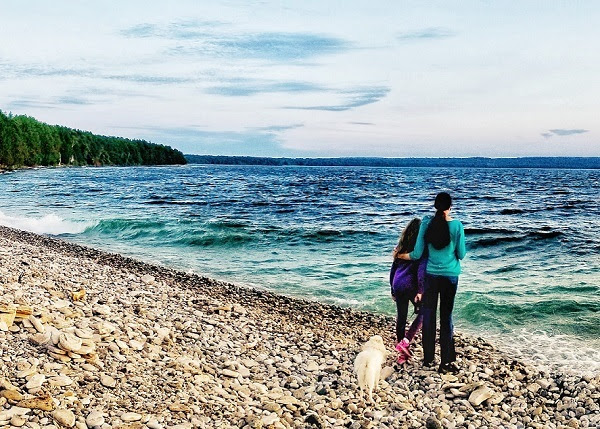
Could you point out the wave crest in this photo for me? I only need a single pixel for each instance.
(50, 224)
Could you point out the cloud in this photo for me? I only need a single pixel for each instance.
(206, 38)
(178, 30)
(29, 104)
(563, 132)
(279, 128)
(52, 103)
(355, 98)
(265, 46)
(247, 87)
(192, 139)
(430, 33)
(160, 80)
(361, 123)
(72, 100)
(24, 71)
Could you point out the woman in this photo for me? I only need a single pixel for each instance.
(444, 239)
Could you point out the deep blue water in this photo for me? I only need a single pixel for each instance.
(530, 282)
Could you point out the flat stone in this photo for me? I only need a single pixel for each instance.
(270, 419)
(148, 279)
(35, 381)
(64, 417)
(480, 395)
(154, 424)
(69, 342)
(131, 417)
(312, 366)
(37, 324)
(6, 415)
(84, 334)
(11, 395)
(60, 381)
(230, 373)
(44, 403)
(94, 419)
(17, 421)
(40, 339)
(107, 381)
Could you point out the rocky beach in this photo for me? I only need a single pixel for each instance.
(90, 339)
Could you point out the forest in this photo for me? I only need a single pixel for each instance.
(474, 162)
(27, 142)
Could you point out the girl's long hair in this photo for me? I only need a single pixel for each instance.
(408, 238)
(438, 232)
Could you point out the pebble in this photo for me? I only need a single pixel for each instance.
(131, 417)
(64, 417)
(108, 381)
(94, 419)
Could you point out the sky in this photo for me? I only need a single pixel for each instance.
(312, 78)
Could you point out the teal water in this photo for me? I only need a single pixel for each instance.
(530, 282)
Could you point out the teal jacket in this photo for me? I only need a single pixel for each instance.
(446, 261)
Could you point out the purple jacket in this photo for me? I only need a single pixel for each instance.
(408, 276)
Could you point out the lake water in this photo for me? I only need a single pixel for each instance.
(530, 282)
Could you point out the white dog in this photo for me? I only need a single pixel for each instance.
(368, 364)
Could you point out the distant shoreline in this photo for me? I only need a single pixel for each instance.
(473, 162)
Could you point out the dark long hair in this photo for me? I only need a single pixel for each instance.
(438, 232)
(408, 238)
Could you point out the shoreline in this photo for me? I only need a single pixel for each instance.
(179, 350)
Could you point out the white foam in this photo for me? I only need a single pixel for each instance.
(49, 224)
(549, 351)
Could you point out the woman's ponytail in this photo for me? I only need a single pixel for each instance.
(438, 232)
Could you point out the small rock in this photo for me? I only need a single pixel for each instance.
(35, 381)
(312, 366)
(108, 381)
(230, 373)
(69, 342)
(479, 395)
(11, 395)
(18, 421)
(131, 417)
(270, 419)
(315, 420)
(154, 424)
(148, 279)
(44, 403)
(432, 423)
(64, 417)
(94, 419)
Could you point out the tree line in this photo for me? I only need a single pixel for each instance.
(474, 162)
(25, 141)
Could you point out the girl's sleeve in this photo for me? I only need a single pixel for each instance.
(420, 244)
(461, 248)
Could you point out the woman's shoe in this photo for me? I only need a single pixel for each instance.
(449, 367)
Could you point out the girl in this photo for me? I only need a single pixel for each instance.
(444, 240)
(407, 281)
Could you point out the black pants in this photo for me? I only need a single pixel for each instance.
(444, 288)
(402, 300)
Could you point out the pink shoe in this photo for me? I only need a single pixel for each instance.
(403, 347)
